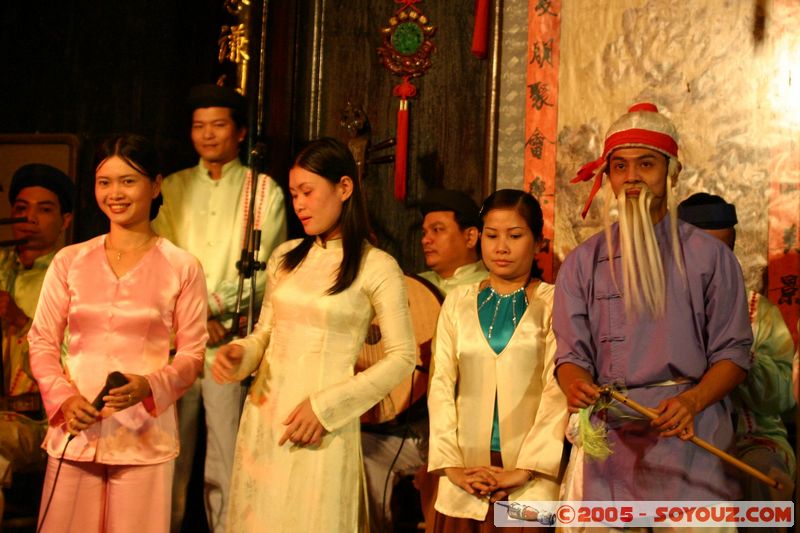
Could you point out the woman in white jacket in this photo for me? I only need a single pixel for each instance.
(497, 414)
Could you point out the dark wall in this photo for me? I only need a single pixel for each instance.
(448, 117)
(96, 68)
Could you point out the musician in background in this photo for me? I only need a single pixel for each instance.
(450, 242)
(43, 195)
(451, 239)
(205, 212)
(761, 437)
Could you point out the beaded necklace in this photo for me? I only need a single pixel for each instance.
(519, 298)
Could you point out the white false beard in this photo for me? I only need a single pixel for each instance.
(643, 278)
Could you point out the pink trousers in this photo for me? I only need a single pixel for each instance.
(92, 497)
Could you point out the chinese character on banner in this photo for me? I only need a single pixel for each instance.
(541, 53)
(234, 7)
(546, 7)
(233, 44)
(538, 95)
(536, 144)
(783, 233)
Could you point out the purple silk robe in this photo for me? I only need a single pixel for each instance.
(706, 321)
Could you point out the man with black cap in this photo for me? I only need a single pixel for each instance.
(766, 393)
(42, 195)
(450, 239)
(205, 212)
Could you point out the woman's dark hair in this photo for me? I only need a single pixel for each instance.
(138, 153)
(332, 160)
(528, 208)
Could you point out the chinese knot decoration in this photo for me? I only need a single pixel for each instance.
(406, 52)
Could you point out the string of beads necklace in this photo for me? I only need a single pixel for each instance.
(499, 298)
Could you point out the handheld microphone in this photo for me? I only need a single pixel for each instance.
(114, 380)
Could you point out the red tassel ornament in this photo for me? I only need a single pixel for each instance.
(480, 34)
(404, 91)
(406, 52)
(401, 152)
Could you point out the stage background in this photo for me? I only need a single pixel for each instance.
(556, 75)
(726, 73)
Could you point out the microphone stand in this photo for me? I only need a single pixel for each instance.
(248, 264)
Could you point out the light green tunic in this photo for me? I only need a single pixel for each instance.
(766, 393)
(464, 275)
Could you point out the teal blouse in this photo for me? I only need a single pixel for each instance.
(499, 315)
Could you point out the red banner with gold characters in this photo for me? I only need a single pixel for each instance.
(783, 258)
(541, 117)
(783, 238)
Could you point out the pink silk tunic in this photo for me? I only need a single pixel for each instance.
(123, 324)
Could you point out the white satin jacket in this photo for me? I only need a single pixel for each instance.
(467, 376)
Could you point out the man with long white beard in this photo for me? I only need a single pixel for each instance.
(656, 307)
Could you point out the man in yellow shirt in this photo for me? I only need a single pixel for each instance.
(451, 239)
(43, 196)
(205, 212)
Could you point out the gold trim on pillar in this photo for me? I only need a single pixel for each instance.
(489, 183)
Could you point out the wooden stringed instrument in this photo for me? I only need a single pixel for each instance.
(423, 298)
(425, 302)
